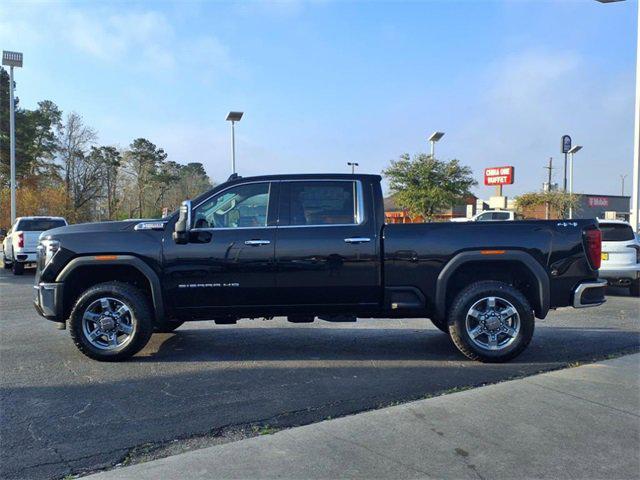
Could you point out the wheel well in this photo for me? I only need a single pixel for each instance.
(512, 272)
(86, 276)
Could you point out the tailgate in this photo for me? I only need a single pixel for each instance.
(618, 253)
(30, 241)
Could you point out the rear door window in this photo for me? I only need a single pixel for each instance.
(323, 203)
(616, 232)
(501, 216)
(39, 224)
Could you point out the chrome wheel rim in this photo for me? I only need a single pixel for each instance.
(108, 323)
(492, 323)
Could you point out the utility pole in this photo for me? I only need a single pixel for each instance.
(622, 177)
(550, 168)
(12, 59)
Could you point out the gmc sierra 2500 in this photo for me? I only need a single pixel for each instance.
(307, 246)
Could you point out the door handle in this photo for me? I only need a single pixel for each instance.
(357, 240)
(257, 243)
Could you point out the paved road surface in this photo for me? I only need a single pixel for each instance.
(62, 413)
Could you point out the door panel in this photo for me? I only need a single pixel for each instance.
(331, 262)
(230, 258)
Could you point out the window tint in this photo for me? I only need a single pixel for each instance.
(238, 207)
(501, 215)
(616, 232)
(39, 224)
(484, 217)
(323, 203)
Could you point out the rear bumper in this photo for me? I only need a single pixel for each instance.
(47, 300)
(25, 257)
(589, 294)
(615, 272)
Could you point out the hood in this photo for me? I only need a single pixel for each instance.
(95, 227)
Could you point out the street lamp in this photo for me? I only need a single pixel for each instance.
(353, 166)
(435, 136)
(12, 59)
(571, 152)
(635, 179)
(233, 117)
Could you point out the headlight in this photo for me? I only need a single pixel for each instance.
(46, 251)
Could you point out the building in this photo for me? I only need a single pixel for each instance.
(591, 206)
(394, 214)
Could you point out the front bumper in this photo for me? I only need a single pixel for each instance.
(589, 294)
(47, 300)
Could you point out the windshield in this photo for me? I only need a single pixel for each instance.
(616, 232)
(39, 224)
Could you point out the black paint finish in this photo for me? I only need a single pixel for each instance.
(312, 269)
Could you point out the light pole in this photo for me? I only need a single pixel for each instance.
(635, 179)
(12, 59)
(572, 152)
(622, 178)
(233, 117)
(353, 166)
(435, 136)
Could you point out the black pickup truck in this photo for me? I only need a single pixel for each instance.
(307, 246)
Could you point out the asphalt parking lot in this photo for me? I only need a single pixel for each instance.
(63, 413)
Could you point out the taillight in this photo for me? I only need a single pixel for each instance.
(593, 239)
(21, 240)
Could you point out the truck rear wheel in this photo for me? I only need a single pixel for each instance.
(17, 268)
(111, 321)
(491, 322)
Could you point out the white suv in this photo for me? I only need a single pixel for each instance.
(620, 255)
(20, 244)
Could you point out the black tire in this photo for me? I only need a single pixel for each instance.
(166, 327)
(441, 325)
(139, 307)
(476, 292)
(17, 268)
(634, 288)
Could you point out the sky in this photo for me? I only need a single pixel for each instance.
(324, 83)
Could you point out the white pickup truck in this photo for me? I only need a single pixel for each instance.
(20, 244)
(490, 216)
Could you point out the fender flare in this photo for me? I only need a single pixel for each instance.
(130, 260)
(542, 300)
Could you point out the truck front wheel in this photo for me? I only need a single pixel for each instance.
(111, 321)
(491, 322)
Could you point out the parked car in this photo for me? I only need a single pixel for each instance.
(620, 255)
(307, 246)
(20, 243)
(490, 216)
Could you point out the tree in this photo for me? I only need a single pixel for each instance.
(81, 174)
(558, 202)
(143, 161)
(109, 161)
(425, 185)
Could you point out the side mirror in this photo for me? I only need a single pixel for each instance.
(183, 225)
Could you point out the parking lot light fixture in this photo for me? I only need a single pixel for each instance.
(575, 149)
(435, 136)
(12, 59)
(233, 117)
(353, 166)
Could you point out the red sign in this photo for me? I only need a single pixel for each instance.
(498, 176)
(598, 202)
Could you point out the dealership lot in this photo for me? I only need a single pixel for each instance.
(63, 413)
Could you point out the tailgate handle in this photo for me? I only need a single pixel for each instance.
(357, 240)
(257, 243)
